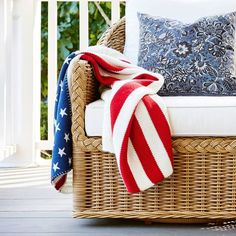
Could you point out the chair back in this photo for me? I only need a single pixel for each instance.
(186, 11)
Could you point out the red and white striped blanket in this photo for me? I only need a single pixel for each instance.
(136, 127)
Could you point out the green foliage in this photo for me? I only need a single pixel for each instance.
(44, 51)
(44, 120)
(44, 70)
(97, 24)
(68, 40)
(67, 30)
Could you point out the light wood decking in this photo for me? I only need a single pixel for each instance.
(30, 206)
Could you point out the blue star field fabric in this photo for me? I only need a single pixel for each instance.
(62, 149)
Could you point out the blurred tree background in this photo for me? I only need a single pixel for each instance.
(68, 39)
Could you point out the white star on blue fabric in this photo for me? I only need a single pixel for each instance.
(62, 149)
(67, 137)
(57, 126)
(55, 167)
(67, 60)
(63, 112)
(61, 84)
(61, 152)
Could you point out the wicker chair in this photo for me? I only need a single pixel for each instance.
(202, 188)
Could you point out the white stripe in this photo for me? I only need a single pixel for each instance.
(107, 143)
(125, 115)
(136, 168)
(154, 142)
(130, 74)
(159, 101)
(107, 139)
(156, 85)
(125, 74)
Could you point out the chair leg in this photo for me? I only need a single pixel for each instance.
(148, 222)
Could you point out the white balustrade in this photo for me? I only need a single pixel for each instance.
(52, 57)
(20, 82)
(7, 147)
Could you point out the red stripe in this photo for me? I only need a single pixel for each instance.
(145, 76)
(144, 153)
(61, 181)
(121, 95)
(160, 124)
(103, 63)
(106, 80)
(126, 173)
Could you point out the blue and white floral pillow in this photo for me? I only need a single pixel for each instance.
(195, 59)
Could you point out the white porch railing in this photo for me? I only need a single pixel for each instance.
(52, 58)
(17, 140)
(7, 146)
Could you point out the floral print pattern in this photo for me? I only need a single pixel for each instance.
(183, 49)
(195, 59)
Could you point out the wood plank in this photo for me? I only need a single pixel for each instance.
(103, 228)
(41, 211)
(72, 234)
(20, 169)
(69, 225)
(40, 192)
(36, 214)
(39, 225)
(43, 234)
(26, 179)
(20, 178)
(25, 170)
(23, 176)
(36, 205)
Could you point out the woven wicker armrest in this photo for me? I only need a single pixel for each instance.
(85, 87)
(84, 90)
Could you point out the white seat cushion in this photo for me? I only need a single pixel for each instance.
(189, 116)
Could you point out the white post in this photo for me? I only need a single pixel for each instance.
(37, 79)
(84, 32)
(115, 11)
(21, 62)
(3, 73)
(52, 63)
(7, 147)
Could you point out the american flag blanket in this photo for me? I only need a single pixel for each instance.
(136, 127)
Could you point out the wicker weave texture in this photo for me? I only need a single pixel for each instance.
(199, 188)
(202, 188)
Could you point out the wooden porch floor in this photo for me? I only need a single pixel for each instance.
(30, 206)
